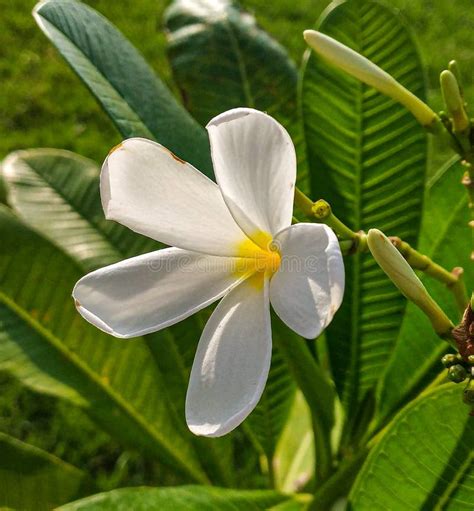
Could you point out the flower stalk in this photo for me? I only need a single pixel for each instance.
(453, 280)
(321, 212)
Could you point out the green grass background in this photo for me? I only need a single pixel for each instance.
(43, 104)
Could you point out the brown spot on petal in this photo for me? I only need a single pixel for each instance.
(77, 303)
(115, 148)
(177, 158)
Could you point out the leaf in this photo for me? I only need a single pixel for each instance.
(32, 479)
(268, 419)
(57, 193)
(190, 498)
(221, 60)
(136, 100)
(367, 158)
(294, 456)
(49, 347)
(445, 238)
(425, 459)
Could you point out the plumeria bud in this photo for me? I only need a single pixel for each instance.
(468, 395)
(454, 68)
(454, 102)
(403, 276)
(449, 360)
(366, 71)
(457, 373)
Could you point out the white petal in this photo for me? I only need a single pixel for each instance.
(151, 191)
(255, 165)
(307, 289)
(152, 291)
(232, 361)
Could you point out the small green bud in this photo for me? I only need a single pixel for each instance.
(470, 359)
(457, 373)
(454, 102)
(402, 275)
(366, 71)
(449, 360)
(468, 395)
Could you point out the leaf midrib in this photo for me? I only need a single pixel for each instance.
(453, 484)
(240, 61)
(92, 225)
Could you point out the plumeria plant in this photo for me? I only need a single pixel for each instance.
(337, 368)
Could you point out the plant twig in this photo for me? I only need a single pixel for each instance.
(352, 242)
(452, 279)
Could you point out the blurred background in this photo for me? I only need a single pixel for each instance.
(42, 104)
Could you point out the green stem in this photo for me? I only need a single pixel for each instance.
(319, 394)
(304, 202)
(321, 212)
(468, 182)
(339, 484)
(451, 279)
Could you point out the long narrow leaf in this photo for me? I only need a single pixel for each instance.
(134, 97)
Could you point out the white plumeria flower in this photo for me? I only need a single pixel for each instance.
(232, 240)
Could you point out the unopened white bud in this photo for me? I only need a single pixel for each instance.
(366, 71)
(403, 276)
(453, 101)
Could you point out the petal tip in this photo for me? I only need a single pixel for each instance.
(310, 35)
(207, 430)
(231, 115)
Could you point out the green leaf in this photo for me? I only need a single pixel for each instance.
(446, 238)
(136, 100)
(221, 60)
(367, 157)
(32, 479)
(294, 456)
(268, 419)
(57, 193)
(189, 498)
(49, 347)
(425, 459)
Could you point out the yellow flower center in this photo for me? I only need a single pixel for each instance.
(258, 257)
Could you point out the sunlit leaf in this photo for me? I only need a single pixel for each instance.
(425, 459)
(446, 238)
(57, 193)
(189, 498)
(49, 347)
(294, 456)
(367, 157)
